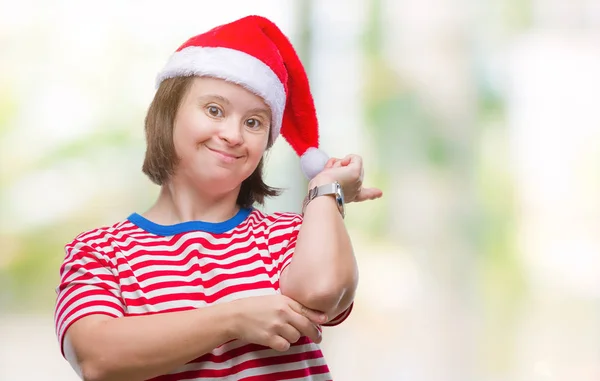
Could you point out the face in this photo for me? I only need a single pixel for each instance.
(220, 134)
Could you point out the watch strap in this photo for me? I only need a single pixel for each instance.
(330, 189)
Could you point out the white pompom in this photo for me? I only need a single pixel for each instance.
(313, 162)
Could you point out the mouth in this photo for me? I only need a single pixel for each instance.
(226, 156)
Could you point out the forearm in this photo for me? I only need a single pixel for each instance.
(323, 273)
(142, 347)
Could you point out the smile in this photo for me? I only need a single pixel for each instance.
(224, 156)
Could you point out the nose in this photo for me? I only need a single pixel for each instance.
(231, 133)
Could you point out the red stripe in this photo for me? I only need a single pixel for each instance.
(243, 230)
(166, 258)
(188, 265)
(92, 306)
(240, 351)
(206, 285)
(254, 363)
(79, 260)
(198, 296)
(101, 233)
(116, 304)
(179, 244)
(290, 374)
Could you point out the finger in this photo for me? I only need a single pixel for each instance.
(354, 159)
(356, 163)
(347, 160)
(290, 333)
(306, 328)
(315, 316)
(368, 194)
(330, 162)
(279, 343)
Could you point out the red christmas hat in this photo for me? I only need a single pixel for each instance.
(254, 53)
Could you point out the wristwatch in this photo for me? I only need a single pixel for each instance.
(332, 189)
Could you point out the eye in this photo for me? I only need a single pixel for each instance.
(253, 123)
(214, 111)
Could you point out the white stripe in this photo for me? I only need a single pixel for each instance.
(71, 250)
(246, 294)
(280, 368)
(202, 276)
(96, 309)
(231, 65)
(79, 301)
(191, 260)
(191, 289)
(96, 272)
(65, 298)
(165, 306)
(283, 231)
(262, 354)
(168, 250)
(279, 247)
(88, 251)
(191, 255)
(185, 303)
(125, 237)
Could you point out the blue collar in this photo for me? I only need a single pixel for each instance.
(189, 226)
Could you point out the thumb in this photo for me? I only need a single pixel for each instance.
(368, 194)
(316, 317)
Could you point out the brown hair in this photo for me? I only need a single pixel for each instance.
(161, 160)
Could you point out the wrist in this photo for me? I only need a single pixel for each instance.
(230, 315)
(320, 180)
(327, 187)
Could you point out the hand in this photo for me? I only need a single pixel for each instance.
(349, 172)
(275, 321)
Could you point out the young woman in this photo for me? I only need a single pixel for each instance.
(202, 286)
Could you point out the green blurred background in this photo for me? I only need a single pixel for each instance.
(479, 120)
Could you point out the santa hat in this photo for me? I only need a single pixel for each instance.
(254, 53)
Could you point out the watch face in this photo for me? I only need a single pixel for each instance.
(339, 198)
(340, 191)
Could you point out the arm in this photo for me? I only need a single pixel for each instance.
(100, 347)
(102, 344)
(323, 273)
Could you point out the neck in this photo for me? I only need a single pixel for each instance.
(179, 202)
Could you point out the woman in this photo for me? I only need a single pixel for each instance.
(202, 286)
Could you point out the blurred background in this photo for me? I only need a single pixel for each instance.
(479, 119)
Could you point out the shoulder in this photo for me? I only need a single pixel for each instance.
(279, 228)
(98, 240)
(277, 219)
(102, 233)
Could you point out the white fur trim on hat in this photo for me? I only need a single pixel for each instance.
(313, 162)
(234, 66)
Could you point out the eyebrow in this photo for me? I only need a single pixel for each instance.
(215, 96)
(260, 110)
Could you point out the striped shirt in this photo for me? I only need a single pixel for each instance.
(137, 267)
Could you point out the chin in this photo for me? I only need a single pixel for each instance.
(221, 179)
